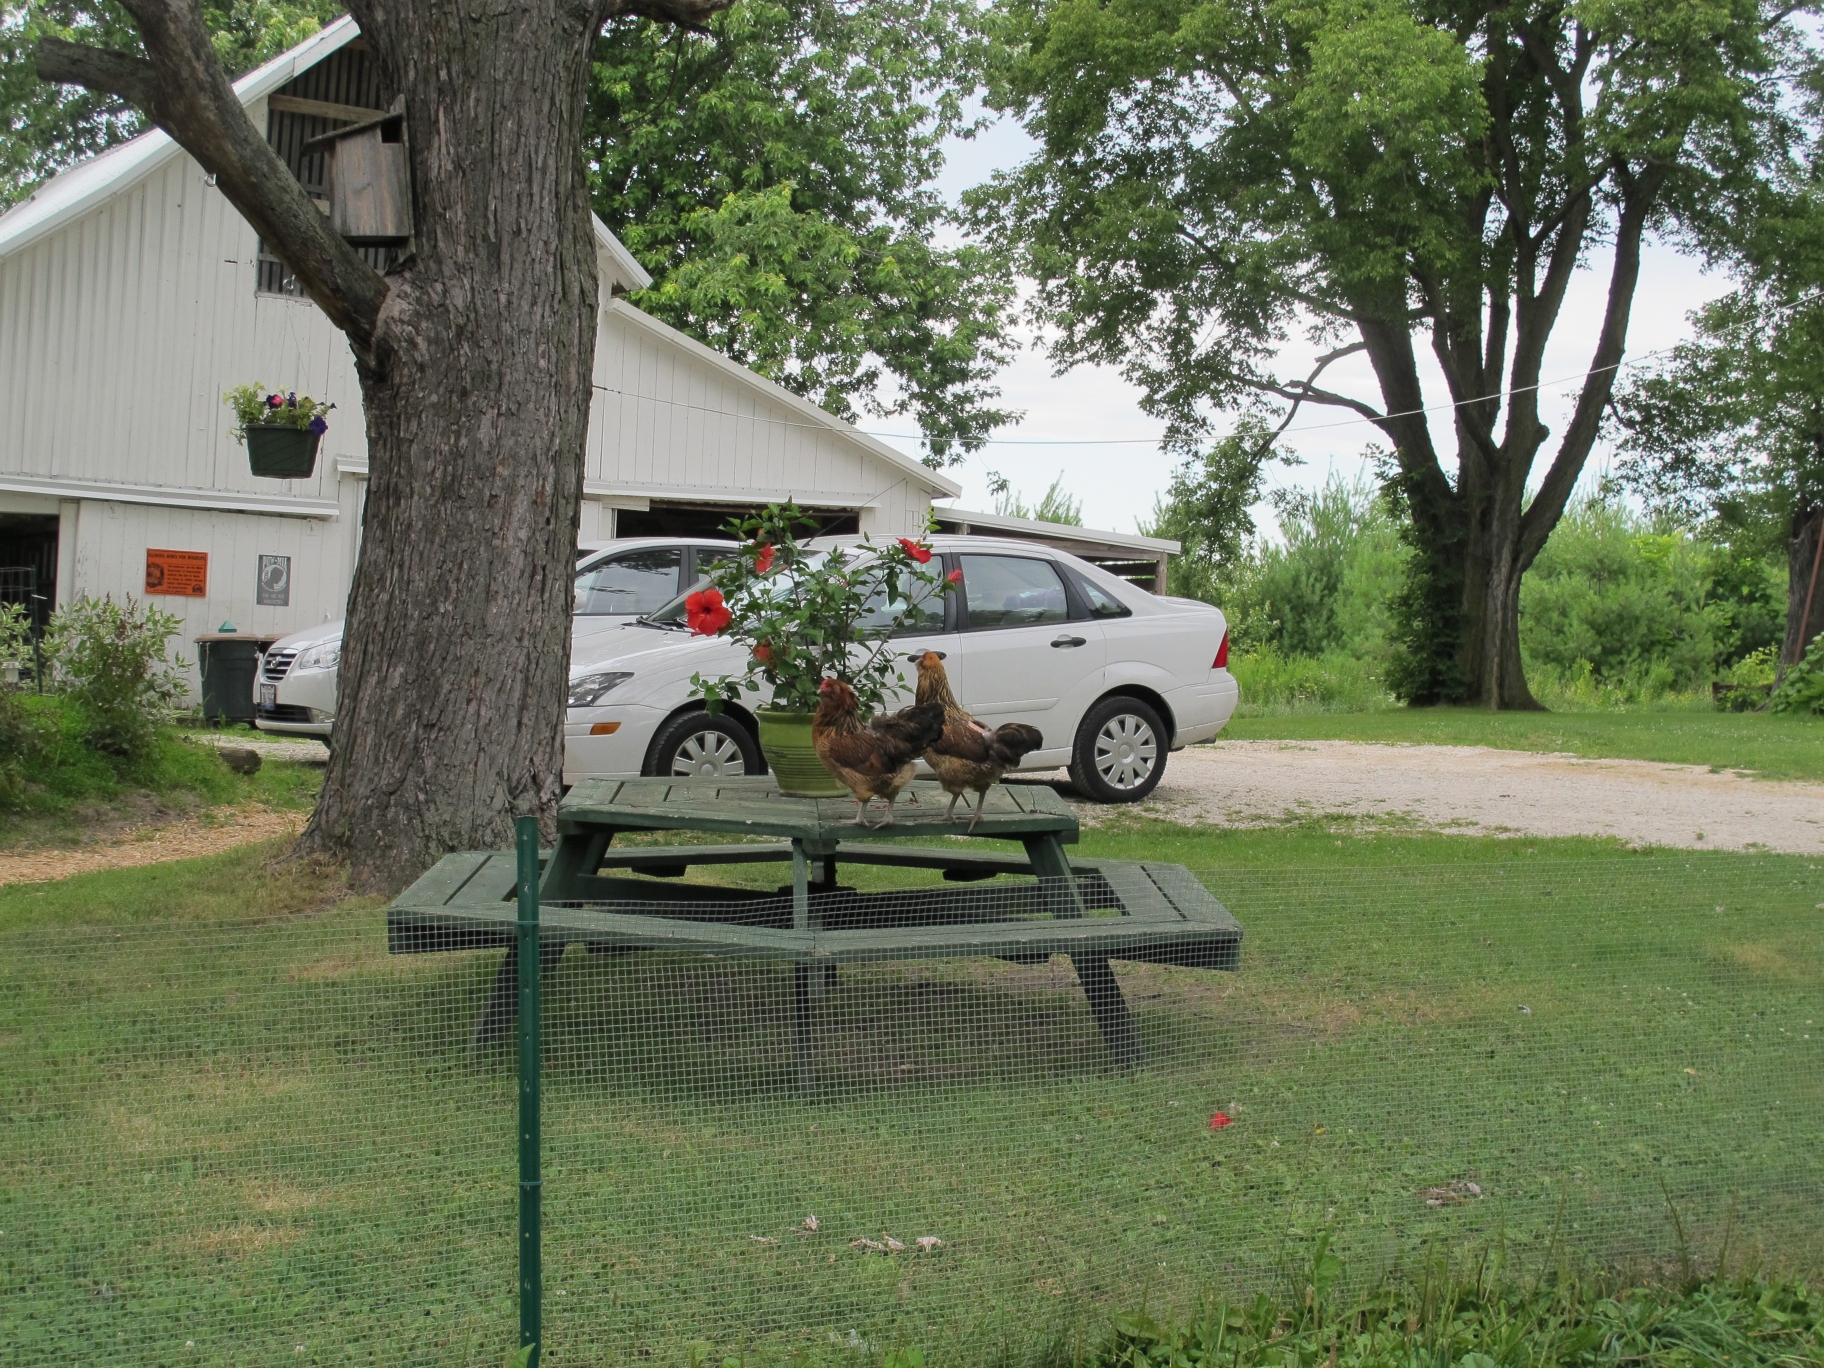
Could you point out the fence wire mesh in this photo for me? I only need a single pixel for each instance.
(275, 1142)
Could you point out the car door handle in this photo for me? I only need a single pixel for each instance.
(1068, 641)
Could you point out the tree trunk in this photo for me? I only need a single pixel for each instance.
(477, 394)
(475, 360)
(1802, 543)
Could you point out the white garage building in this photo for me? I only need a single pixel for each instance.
(133, 297)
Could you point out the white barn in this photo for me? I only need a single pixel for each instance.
(133, 296)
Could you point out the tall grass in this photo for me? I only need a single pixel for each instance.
(1275, 685)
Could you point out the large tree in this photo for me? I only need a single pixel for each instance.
(1730, 425)
(1214, 175)
(776, 176)
(474, 357)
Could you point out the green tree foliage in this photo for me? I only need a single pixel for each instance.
(1207, 507)
(1217, 176)
(48, 126)
(1055, 506)
(1730, 428)
(775, 175)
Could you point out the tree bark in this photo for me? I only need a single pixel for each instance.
(476, 388)
(474, 359)
(1802, 544)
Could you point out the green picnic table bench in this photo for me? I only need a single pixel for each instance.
(621, 900)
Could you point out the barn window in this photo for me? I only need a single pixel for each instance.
(342, 89)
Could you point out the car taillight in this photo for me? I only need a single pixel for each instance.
(1222, 654)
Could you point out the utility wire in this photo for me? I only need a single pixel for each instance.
(1134, 441)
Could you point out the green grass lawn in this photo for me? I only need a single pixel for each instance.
(72, 791)
(233, 1120)
(1773, 747)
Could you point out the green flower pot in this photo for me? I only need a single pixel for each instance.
(785, 741)
(277, 452)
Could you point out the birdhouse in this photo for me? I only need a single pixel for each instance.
(370, 180)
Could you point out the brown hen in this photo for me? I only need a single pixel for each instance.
(875, 760)
(966, 754)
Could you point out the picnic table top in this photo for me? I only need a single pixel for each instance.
(754, 806)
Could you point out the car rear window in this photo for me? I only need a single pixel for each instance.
(1102, 604)
(1012, 591)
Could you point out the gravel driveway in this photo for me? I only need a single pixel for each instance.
(1490, 792)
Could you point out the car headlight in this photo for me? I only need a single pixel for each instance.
(325, 655)
(588, 690)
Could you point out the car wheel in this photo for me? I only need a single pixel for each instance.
(1119, 756)
(695, 745)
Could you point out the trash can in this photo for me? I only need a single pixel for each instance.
(229, 662)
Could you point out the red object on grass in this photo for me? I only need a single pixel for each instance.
(764, 561)
(1221, 1119)
(1222, 654)
(706, 612)
(921, 554)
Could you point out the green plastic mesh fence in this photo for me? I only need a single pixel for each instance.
(277, 1142)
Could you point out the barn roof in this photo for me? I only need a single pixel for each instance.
(92, 183)
(88, 184)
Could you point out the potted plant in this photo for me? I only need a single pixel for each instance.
(281, 430)
(807, 615)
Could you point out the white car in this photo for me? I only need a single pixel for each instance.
(295, 686)
(1113, 676)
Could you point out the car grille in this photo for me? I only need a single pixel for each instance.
(282, 712)
(277, 664)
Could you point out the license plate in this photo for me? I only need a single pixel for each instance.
(269, 695)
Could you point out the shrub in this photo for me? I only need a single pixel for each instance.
(1325, 588)
(1802, 691)
(20, 747)
(110, 660)
(16, 638)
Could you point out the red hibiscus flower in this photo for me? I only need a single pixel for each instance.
(764, 653)
(921, 554)
(706, 612)
(955, 577)
(1221, 1119)
(764, 561)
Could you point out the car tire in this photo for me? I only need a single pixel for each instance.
(697, 745)
(1119, 755)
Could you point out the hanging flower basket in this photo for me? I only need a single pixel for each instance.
(282, 453)
(281, 430)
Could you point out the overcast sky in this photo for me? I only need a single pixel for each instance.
(1119, 476)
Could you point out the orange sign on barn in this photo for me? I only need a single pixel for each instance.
(177, 572)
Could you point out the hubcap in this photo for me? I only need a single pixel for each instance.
(1126, 751)
(708, 755)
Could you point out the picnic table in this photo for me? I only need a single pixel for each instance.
(630, 898)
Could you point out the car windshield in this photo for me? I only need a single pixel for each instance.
(632, 582)
(927, 609)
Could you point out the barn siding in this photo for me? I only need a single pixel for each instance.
(121, 332)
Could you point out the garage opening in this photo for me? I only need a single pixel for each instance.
(28, 565)
(678, 519)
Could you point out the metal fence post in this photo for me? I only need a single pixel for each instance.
(531, 1260)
